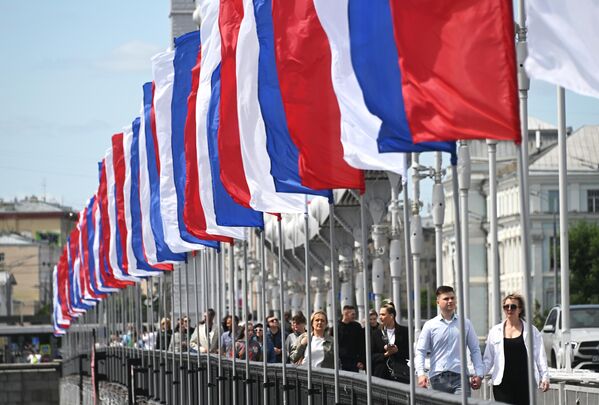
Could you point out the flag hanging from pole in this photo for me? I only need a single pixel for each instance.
(563, 45)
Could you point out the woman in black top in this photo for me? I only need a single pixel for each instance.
(390, 347)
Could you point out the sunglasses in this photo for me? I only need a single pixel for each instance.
(510, 307)
(274, 320)
(258, 330)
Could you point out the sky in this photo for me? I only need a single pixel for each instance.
(71, 74)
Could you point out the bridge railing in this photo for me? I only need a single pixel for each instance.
(182, 378)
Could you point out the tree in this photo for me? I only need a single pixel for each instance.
(584, 263)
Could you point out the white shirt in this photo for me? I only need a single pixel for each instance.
(317, 357)
(390, 336)
(494, 358)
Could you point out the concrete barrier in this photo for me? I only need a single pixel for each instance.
(32, 384)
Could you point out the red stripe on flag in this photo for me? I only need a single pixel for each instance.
(458, 66)
(304, 68)
(154, 132)
(118, 159)
(232, 173)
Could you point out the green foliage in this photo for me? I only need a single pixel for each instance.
(538, 317)
(584, 263)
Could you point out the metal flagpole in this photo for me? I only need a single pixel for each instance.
(416, 243)
(364, 244)
(563, 226)
(197, 302)
(524, 85)
(460, 284)
(284, 353)
(307, 303)
(263, 305)
(438, 217)
(207, 263)
(395, 243)
(246, 319)
(233, 326)
(464, 185)
(219, 315)
(188, 373)
(159, 337)
(172, 343)
(409, 291)
(181, 368)
(334, 299)
(150, 319)
(494, 261)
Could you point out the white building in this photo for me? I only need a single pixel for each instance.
(583, 204)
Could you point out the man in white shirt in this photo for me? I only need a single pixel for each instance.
(440, 337)
(204, 341)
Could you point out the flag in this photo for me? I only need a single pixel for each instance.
(117, 254)
(175, 233)
(112, 276)
(562, 44)
(458, 68)
(244, 161)
(94, 236)
(157, 249)
(60, 322)
(303, 63)
(219, 209)
(86, 253)
(365, 31)
(133, 213)
(226, 210)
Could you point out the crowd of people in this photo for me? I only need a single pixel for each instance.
(504, 359)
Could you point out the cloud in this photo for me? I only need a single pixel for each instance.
(132, 56)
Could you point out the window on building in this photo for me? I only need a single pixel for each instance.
(593, 201)
(553, 252)
(553, 201)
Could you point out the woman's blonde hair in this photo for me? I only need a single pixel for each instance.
(516, 297)
(318, 313)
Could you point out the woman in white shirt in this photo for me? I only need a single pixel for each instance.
(506, 355)
(321, 344)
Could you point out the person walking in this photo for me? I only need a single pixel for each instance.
(440, 336)
(205, 337)
(298, 326)
(390, 347)
(506, 355)
(273, 340)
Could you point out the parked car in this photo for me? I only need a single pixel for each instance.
(584, 336)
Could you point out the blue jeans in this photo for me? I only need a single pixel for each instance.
(448, 381)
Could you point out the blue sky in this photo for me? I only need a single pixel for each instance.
(71, 74)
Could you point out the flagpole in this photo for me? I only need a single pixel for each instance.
(246, 319)
(197, 302)
(395, 243)
(334, 300)
(151, 336)
(207, 255)
(233, 326)
(220, 268)
(187, 337)
(460, 285)
(409, 289)
(284, 353)
(494, 260)
(464, 172)
(523, 86)
(438, 217)
(416, 243)
(364, 243)
(563, 227)
(263, 315)
(307, 303)
(174, 363)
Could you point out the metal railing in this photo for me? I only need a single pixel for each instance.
(169, 378)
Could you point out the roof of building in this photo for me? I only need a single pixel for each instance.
(15, 239)
(31, 205)
(535, 123)
(582, 150)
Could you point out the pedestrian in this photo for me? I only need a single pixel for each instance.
(440, 336)
(205, 337)
(390, 347)
(227, 339)
(179, 341)
(322, 351)
(298, 326)
(373, 320)
(274, 340)
(351, 340)
(165, 328)
(506, 355)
